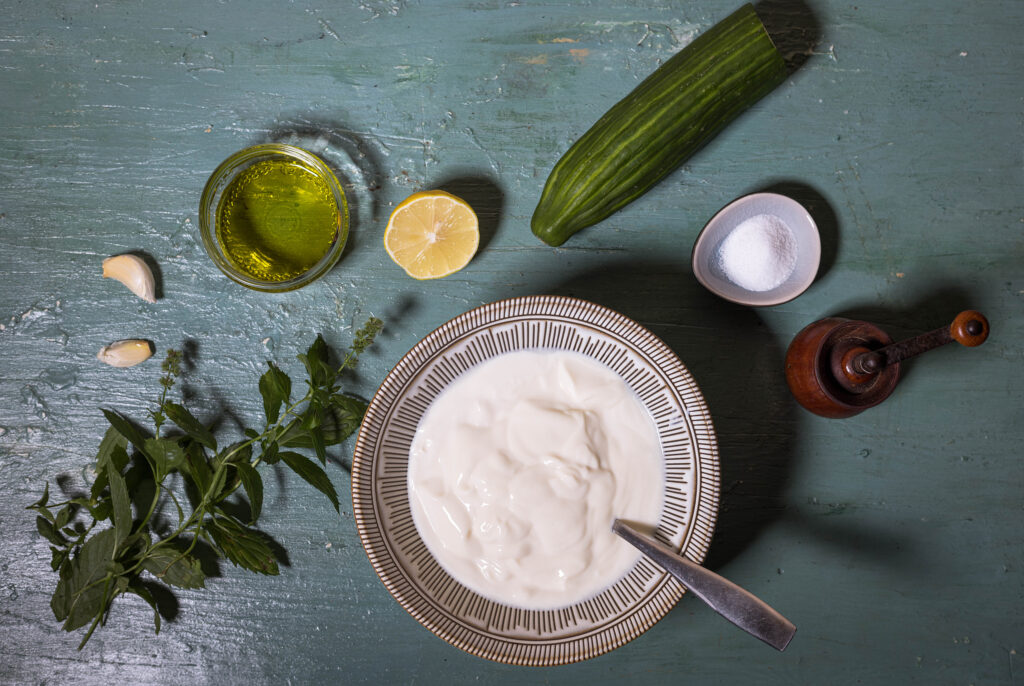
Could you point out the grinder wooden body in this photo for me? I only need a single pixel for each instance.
(838, 367)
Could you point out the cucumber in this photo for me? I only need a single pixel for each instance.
(651, 131)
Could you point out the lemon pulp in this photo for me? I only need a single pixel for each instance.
(432, 234)
(277, 219)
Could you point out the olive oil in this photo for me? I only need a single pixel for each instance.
(277, 219)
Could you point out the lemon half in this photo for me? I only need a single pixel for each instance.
(432, 234)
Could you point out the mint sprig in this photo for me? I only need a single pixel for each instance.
(116, 540)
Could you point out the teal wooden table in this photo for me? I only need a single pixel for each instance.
(892, 539)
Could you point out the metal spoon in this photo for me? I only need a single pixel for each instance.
(740, 607)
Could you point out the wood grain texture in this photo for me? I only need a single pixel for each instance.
(891, 539)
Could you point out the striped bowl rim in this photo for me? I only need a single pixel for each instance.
(481, 626)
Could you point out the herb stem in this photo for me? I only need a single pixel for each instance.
(100, 614)
(152, 509)
(177, 503)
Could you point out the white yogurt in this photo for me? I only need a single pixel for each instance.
(518, 469)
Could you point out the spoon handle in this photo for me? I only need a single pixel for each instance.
(739, 606)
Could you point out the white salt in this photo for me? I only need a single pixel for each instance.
(759, 254)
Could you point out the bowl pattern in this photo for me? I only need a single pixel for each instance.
(380, 489)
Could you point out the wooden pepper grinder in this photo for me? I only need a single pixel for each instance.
(839, 367)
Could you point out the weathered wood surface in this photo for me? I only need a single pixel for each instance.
(892, 539)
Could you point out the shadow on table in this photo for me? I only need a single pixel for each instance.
(483, 194)
(822, 525)
(821, 212)
(738, 365)
(794, 28)
(154, 267)
(353, 157)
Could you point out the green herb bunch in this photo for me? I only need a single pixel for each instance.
(140, 475)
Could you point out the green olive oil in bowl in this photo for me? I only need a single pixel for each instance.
(274, 217)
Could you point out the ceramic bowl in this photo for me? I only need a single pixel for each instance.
(808, 249)
(380, 485)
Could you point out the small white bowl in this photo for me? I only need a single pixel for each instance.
(805, 232)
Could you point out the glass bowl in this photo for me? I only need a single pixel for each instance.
(279, 215)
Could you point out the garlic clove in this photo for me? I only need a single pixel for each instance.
(134, 273)
(125, 353)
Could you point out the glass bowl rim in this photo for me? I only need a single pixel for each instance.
(219, 180)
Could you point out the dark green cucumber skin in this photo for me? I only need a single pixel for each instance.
(654, 129)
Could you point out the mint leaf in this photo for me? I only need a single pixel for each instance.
(124, 427)
(81, 592)
(116, 458)
(338, 421)
(245, 547)
(44, 512)
(139, 589)
(122, 512)
(175, 568)
(57, 557)
(167, 453)
(345, 416)
(134, 436)
(252, 482)
(315, 360)
(240, 451)
(319, 444)
(197, 467)
(276, 389)
(216, 487)
(311, 418)
(312, 474)
(270, 453)
(111, 439)
(101, 510)
(63, 517)
(111, 443)
(187, 422)
(47, 531)
(42, 502)
(134, 548)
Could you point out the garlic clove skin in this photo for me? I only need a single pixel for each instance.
(125, 353)
(134, 273)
